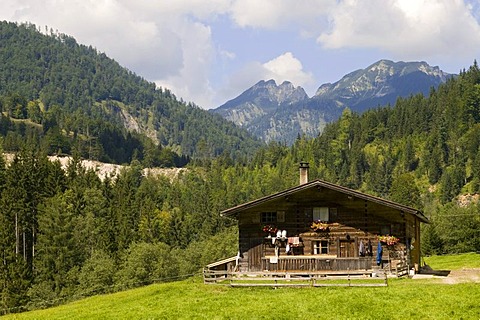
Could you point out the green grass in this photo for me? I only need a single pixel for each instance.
(191, 299)
(454, 261)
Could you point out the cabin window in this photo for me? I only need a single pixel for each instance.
(268, 217)
(321, 213)
(385, 230)
(320, 247)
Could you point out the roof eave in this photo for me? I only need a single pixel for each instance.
(237, 209)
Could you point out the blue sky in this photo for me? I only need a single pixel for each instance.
(209, 52)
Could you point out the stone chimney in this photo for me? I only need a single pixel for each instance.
(303, 172)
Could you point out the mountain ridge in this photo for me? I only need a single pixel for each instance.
(260, 99)
(381, 83)
(85, 101)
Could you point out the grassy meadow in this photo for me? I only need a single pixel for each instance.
(454, 261)
(191, 299)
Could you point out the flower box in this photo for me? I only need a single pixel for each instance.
(319, 225)
(389, 240)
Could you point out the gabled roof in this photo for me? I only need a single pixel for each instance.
(320, 183)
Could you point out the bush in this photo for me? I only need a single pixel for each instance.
(97, 274)
(145, 263)
(458, 228)
(198, 254)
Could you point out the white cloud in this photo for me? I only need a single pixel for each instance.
(282, 68)
(249, 74)
(147, 46)
(287, 68)
(405, 28)
(201, 9)
(228, 55)
(192, 80)
(274, 14)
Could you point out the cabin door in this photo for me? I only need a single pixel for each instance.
(347, 248)
(255, 254)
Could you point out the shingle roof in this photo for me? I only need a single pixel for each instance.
(320, 183)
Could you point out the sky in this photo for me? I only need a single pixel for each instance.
(210, 51)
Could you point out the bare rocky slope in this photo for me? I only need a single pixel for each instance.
(104, 170)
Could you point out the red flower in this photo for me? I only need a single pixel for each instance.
(389, 240)
(269, 228)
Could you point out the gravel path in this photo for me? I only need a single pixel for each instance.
(463, 275)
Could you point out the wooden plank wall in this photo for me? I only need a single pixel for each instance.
(350, 223)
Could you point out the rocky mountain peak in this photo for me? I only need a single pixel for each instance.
(262, 98)
(281, 112)
(279, 94)
(382, 81)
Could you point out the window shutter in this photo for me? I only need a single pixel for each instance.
(281, 216)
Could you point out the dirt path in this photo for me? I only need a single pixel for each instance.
(463, 275)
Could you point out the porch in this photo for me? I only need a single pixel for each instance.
(312, 263)
(347, 278)
(305, 270)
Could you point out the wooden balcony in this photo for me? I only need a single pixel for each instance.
(313, 263)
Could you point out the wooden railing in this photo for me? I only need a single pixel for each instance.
(348, 278)
(401, 269)
(315, 263)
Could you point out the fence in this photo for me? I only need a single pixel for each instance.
(348, 278)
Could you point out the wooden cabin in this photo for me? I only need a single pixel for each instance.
(320, 226)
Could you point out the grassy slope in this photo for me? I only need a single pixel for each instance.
(191, 299)
(454, 261)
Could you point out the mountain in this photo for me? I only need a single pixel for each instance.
(263, 98)
(283, 112)
(61, 96)
(381, 84)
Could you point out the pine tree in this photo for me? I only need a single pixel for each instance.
(2, 169)
(126, 217)
(434, 165)
(432, 243)
(410, 161)
(57, 251)
(405, 191)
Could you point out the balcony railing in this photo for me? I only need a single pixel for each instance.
(315, 263)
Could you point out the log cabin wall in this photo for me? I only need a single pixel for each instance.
(350, 222)
(354, 218)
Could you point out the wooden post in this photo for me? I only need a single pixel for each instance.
(349, 280)
(389, 260)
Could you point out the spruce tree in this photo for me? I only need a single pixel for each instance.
(57, 251)
(405, 191)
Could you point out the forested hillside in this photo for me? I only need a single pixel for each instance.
(63, 97)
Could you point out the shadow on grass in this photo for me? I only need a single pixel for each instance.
(426, 269)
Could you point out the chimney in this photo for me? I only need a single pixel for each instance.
(303, 172)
